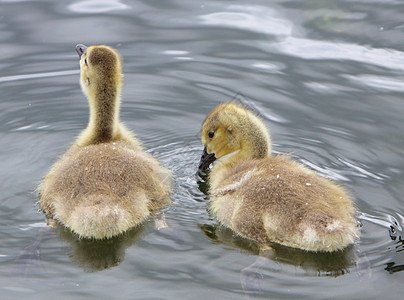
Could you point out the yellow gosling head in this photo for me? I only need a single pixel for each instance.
(101, 71)
(230, 128)
(101, 81)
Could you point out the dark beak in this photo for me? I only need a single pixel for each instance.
(206, 159)
(81, 49)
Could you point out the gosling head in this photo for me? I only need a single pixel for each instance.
(230, 128)
(101, 71)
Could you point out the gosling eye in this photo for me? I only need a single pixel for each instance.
(85, 61)
(211, 134)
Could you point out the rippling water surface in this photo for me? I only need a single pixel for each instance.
(326, 76)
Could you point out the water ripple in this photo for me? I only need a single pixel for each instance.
(327, 172)
(178, 54)
(34, 126)
(33, 226)
(328, 88)
(323, 50)
(38, 75)
(361, 170)
(378, 82)
(97, 6)
(383, 219)
(252, 18)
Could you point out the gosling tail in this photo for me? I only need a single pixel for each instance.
(101, 217)
(330, 235)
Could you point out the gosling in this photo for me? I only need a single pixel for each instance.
(105, 184)
(270, 198)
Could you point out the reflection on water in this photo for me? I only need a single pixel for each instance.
(394, 229)
(29, 263)
(317, 264)
(97, 255)
(92, 255)
(397, 263)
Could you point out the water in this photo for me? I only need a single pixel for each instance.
(326, 76)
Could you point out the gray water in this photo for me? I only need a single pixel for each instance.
(327, 78)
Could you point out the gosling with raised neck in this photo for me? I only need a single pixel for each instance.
(105, 184)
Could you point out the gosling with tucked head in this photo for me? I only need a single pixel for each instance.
(104, 184)
(270, 198)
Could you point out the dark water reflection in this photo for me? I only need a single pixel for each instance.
(99, 255)
(317, 264)
(326, 76)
